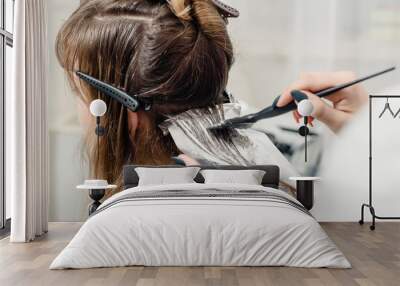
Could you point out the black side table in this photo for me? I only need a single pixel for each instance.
(97, 189)
(305, 190)
(96, 195)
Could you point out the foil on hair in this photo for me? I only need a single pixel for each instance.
(224, 144)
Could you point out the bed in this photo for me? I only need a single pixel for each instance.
(201, 224)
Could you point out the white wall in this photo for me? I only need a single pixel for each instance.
(67, 170)
(61, 104)
(345, 168)
(274, 41)
(66, 167)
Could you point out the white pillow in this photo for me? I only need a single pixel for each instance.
(165, 176)
(247, 177)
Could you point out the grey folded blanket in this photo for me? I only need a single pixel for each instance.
(204, 194)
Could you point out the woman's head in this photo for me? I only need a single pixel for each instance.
(177, 52)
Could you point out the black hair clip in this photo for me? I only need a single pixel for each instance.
(226, 10)
(133, 102)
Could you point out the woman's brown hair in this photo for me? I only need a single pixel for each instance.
(178, 51)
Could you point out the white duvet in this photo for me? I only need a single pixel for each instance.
(188, 231)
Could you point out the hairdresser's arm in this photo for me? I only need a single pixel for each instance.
(339, 107)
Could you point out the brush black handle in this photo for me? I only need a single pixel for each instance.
(274, 110)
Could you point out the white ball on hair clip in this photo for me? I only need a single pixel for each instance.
(305, 107)
(98, 107)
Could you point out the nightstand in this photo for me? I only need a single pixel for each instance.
(97, 189)
(305, 190)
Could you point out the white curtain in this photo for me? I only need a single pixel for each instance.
(26, 117)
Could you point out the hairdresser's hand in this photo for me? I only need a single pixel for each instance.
(189, 161)
(342, 103)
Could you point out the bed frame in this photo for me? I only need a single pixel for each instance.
(270, 179)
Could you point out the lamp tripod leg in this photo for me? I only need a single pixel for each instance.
(372, 210)
(361, 221)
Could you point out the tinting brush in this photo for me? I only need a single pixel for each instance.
(273, 110)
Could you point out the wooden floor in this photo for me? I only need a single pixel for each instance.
(375, 257)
